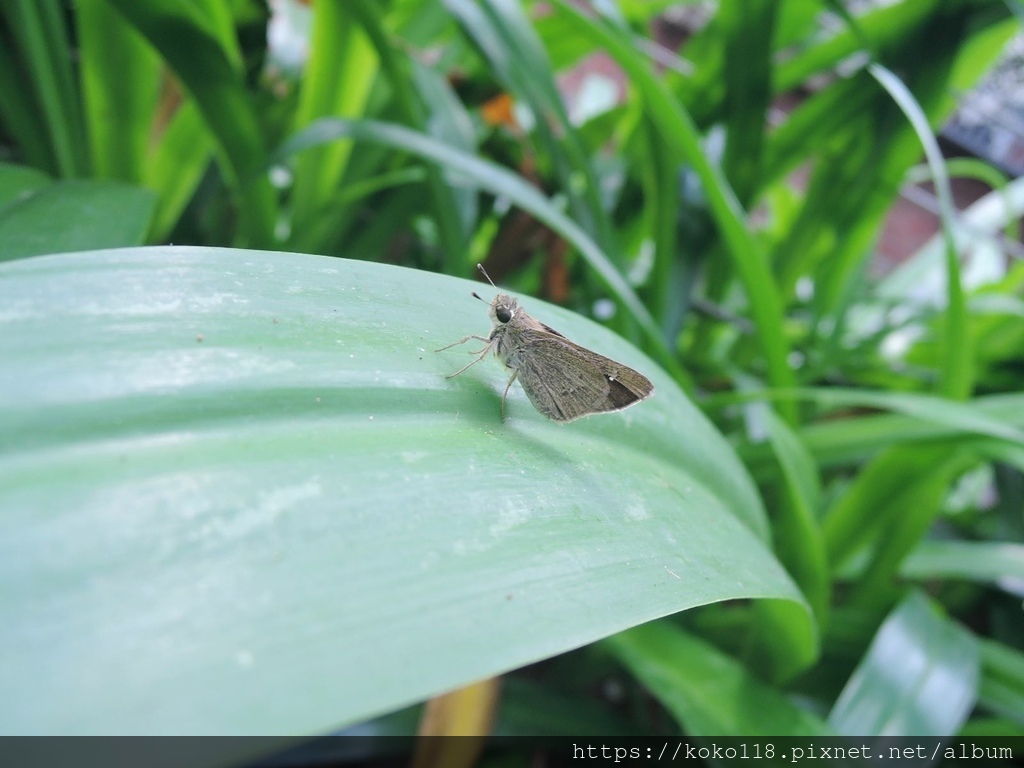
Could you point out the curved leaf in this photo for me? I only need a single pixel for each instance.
(918, 678)
(708, 692)
(227, 474)
(998, 562)
(957, 358)
(18, 182)
(71, 215)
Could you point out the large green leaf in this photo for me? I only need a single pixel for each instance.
(239, 495)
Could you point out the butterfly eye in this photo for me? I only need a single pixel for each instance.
(503, 314)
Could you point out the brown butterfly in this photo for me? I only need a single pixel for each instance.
(563, 380)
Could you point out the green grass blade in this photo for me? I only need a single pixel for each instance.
(882, 28)
(849, 441)
(337, 81)
(957, 376)
(19, 111)
(985, 218)
(797, 532)
(1002, 681)
(966, 417)
(890, 504)
(38, 27)
(853, 520)
(500, 181)
(679, 133)
(177, 166)
(979, 561)
(748, 30)
(120, 77)
(501, 31)
(962, 417)
(861, 142)
(661, 188)
(427, 103)
(207, 69)
(903, 519)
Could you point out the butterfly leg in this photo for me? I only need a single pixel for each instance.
(479, 355)
(463, 341)
(514, 374)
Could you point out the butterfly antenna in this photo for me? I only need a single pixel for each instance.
(484, 273)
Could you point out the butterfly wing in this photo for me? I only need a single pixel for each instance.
(565, 381)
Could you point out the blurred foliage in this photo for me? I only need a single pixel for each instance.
(735, 243)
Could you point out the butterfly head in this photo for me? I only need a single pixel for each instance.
(502, 309)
